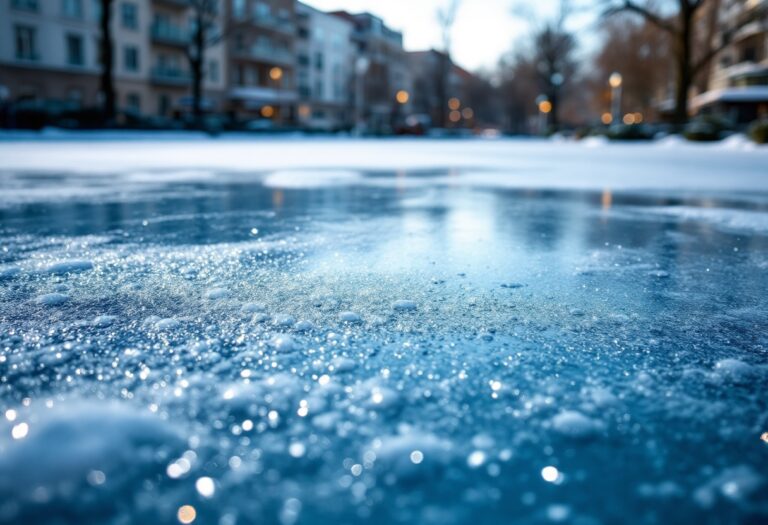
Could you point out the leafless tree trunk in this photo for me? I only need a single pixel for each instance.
(446, 17)
(106, 52)
(682, 29)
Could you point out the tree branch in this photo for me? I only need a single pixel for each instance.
(726, 38)
(628, 6)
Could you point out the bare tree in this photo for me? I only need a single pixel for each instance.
(641, 53)
(554, 49)
(106, 53)
(446, 17)
(682, 28)
(204, 35)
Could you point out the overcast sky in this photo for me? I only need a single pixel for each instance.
(484, 30)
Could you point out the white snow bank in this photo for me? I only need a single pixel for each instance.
(309, 179)
(507, 163)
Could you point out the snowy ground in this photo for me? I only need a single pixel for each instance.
(242, 331)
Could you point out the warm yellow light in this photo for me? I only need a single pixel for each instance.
(186, 514)
(304, 110)
(615, 80)
(267, 112)
(607, 118)
(468, 113)
(606, 199)
(629, 119)
(455, 116)
(454, 104)
(545, 106)
(276, 73)
(402, 96)
(638, 118)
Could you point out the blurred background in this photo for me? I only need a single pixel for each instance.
(626, 69)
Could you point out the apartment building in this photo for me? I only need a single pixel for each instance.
(169, 33)
(737, 79)
(49, 50)
(382, 71)
(262, 58)
(439, 87)
(325, 70)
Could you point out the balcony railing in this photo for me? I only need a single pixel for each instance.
(274, 23)
(165, 33)
(173, 3)
(170, 76)
(269, 54)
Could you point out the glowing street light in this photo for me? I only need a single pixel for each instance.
(545, 108)
(276, 73)
(615, 81)
(454, 104)
(402, 97)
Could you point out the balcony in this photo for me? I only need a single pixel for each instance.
(168, 34)
(181, 4)
(273, 23)
(255, 96)
(268, 54)
(170, 76)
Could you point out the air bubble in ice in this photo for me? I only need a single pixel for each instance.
(73, 266)
(52, 299)
(404, 305)
(350, 317)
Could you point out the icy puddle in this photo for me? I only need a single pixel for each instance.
(379, 348)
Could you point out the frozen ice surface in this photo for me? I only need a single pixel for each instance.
(333, 332)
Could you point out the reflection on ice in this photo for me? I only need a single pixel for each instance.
(230, 352)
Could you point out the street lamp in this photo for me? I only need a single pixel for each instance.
(361, 68)
(276, 74)
(545, 108)
(615, 81)
(402, 97)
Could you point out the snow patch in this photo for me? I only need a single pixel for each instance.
(310, 179)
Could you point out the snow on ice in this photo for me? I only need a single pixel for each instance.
(341, 331)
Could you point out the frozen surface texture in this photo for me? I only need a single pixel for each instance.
(339, 332)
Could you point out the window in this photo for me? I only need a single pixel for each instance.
(129, 15)
(96, 10)
(213, 71)
(26, 5)
(164, 105)
(26, 42)
(131, 58)
(72, 8)
(749, 54)
(133, 102)
(238, 8)
(75, 95)
(318, 60)
(75, 55)
(239, 79)
(262, 10)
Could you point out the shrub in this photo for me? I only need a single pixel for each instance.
(707, 128)
(758, 131)
(629, 132)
